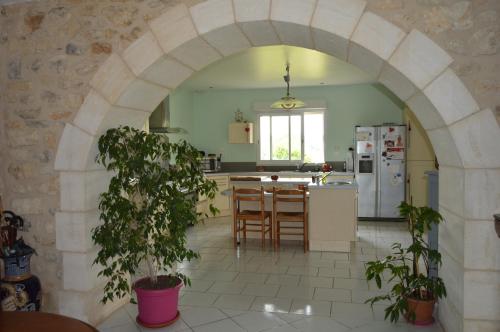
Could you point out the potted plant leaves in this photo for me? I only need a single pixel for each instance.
(413, 291)
(150, 201)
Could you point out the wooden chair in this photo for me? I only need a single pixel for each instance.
(292, 219)
(257, 218)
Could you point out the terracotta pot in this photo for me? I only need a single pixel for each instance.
(157, 307)
(423, 311)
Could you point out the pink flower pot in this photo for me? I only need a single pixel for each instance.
(157, 307)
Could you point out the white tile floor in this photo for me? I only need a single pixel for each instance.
(250, 289)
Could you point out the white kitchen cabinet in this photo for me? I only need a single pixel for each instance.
(332, 218)
(241, 133)
(220, 201)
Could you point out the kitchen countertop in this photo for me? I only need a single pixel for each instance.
(306, 181)
(280, 173)
(291, 178)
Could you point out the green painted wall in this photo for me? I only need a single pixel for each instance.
(212, 111)
(181, 114)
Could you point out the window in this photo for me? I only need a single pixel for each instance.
(291, 138)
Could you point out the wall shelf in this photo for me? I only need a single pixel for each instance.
(240, 133)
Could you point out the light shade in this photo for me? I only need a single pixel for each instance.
(288, 103)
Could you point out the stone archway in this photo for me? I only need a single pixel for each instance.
(183, 40)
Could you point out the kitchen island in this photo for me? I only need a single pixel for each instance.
(333, 216)
(332, 207)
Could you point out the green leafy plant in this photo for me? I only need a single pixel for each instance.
(409, 267)
(281, 153)
(147, 207)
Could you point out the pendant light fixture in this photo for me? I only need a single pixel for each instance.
(287, 102)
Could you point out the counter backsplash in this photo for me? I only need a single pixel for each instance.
(252, 167)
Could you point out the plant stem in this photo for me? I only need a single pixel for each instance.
(413, 240)
(152, 270)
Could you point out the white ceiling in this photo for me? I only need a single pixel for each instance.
(264, 67)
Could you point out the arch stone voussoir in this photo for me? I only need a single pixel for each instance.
(252, 16)
(482, 295)
(196, 54)
(478, 137)
(299, 12)
(451, 308)
(73, 150)
(92, 112)
(80, 190)
(450, 97)
(121, 116)
(112, 78)
(377, 35)
(79, 274)
(73, 230)
(173, 28)
(142, 53)
(294, 34)
(399, 84)
(479, 256)
(339, 17)
(260, 33)
(212, 15)
(167, 72)
(445, 147)
(425, 111)
(228, 40)
(251, 10)
(142, 95)
(183, 40)
(452, 186)
(420, 59)
(86, 306)
(482, 195)
(291, 20)
(451, 239)
(333, 24)
(373, 42)
(222, 33)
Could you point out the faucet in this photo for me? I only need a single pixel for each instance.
(300, 167)
(326, 175)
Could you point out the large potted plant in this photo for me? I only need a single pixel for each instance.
(414, 292)
(150, 201)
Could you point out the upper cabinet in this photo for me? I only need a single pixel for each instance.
(241, 133)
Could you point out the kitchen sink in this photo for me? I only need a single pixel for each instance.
(298, 172)
(340, 183)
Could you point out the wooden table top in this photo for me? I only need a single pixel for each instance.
(17, 321)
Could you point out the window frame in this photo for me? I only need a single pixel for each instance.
(300, 112)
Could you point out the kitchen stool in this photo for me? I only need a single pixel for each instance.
(292, 219)
(257, 217)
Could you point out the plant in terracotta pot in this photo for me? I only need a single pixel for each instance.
(413, 291)
(150, 201)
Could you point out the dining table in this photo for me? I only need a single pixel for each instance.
(34, 321)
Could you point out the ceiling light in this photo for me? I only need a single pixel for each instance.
(288, 102)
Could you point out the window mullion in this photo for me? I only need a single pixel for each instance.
(271, 137)
(302, 135)
(289, 138)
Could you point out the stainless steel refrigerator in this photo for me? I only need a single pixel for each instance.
(380, 167)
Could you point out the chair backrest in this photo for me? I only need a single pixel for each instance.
(290, 196)
(248, 195)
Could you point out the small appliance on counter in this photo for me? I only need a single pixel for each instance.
(211, 163)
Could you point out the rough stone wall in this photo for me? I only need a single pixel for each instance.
(468, 30)
(49, 50)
